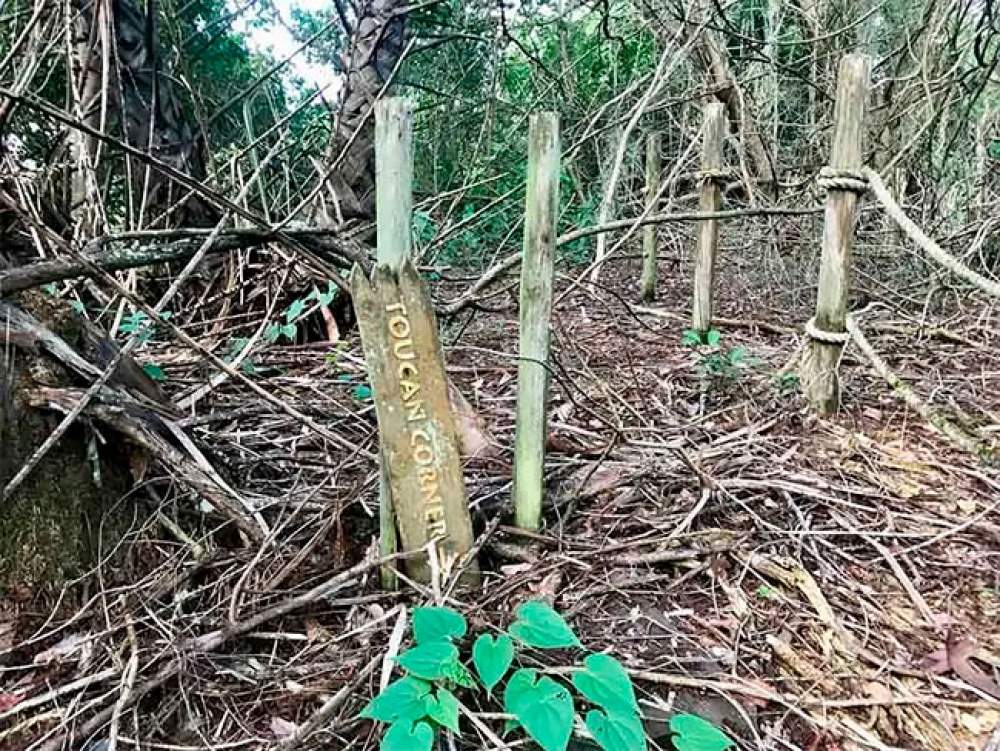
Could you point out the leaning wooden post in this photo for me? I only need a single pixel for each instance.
(710, 199)
(541, 212)
(647, 283)
(422, 492)
(820, 380)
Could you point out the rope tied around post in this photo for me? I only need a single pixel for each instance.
(827, 337)
(839, 178)
(716, 174)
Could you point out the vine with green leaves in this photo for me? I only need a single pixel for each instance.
(424, 702)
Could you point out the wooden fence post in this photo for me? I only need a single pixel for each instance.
(649, 267)
(541, 213)
(820, 380)
(422, 491)
(393, 181)
(710, 199)
(393, 209)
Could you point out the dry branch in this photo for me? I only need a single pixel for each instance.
(122, 258)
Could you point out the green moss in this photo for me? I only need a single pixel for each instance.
(50, 527)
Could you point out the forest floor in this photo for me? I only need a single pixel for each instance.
(805, 583)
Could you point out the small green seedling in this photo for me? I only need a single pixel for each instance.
(715, 360)
(139, 324)
(764, 592)
(787, 383)
(154, 371)
(296, 311)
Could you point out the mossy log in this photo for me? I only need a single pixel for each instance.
(52, 525)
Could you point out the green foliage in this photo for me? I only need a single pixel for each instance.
(788, 383)
(404, 699)
(437, 624)
(432, 660)
(236, 346)
(716, 361)
(604, 682)
(408, 736)
(542, 706)
(492, 657)
(154, 371)
(617, 731)
(765, 592)
(538, 625)
(138, 324)
(692, 733)
(299, 309)
(443, 708)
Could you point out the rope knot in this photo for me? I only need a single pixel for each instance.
(839, 178)
(827, 337)
(716, 174)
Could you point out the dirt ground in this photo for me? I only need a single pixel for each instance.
(805, 583)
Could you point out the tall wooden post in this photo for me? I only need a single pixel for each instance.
(541, 213)
(710, 199)
(647, 283)
(393, 209)
(393, 181)
(820, 380)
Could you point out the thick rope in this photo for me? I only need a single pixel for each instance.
(901, 389)
(926, 244)
(717, 174)
(838, 178)
(827, 337)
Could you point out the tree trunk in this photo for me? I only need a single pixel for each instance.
(376, 47)
(144, 98)
(51, 527)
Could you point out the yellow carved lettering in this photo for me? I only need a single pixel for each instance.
(399, 327)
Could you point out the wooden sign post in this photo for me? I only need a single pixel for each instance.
(422, 491)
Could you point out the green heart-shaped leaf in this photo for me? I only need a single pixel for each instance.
(605, 683)
(492, 657)
(695, 734)
(408, 736)
(543, 707)
(538, 625)
(617, 731)
(431, 661)
(437, 624)
(400, 700)
(443, 709)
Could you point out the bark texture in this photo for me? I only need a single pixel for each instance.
(52, 526)
(143, 95)
(377, 42)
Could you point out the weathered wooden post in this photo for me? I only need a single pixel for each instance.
(393, 245)
(820, 380)
(423, 492)
(541, 213)
(647, 283)
(710, 199)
